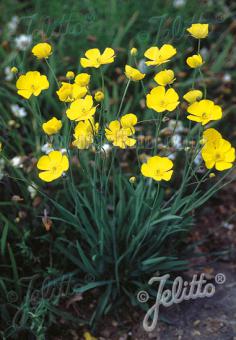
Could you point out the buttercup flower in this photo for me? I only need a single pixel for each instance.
(31, 83)
(94, 58)
(70, 92)
(14, 69)
(82, 79)
(165, 77)
(128, 121)
(81, 109)
(219, 154)
(53, 166)
(194, 61)
(133, 51)
(192, 96)
(210, 135)
(132, 179)
(52, 126)
(84, 134)
(119, 132)
(70, 75)
(99, 96)
(204, 111)
(158, 168)
(42, 50)
(161, 100)
(198, 31)
(159, 56)
(133, 74)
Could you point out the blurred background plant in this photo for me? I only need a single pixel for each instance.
(40, 236)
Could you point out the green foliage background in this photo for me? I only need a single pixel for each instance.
(120, 238)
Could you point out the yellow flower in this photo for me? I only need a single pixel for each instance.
(84, 134)
(161, 100)
(53, 166)
(42, 50)
(210, 135)
(204, 111)
(158, 168)
(82, 79)
(70, 92)
(94, 58)
(133, 74)
(133, 51)
(14, 69)
(219, 154)
(99, 96)
(52, 126)
(128, 121)
(164, 77)
(194, 61)
(132, 179)
(119, 132)
(198, 31)
(193, 95)
(31, 83)
(159, 56)
(70, 75)
(88, 336)
(81, 109)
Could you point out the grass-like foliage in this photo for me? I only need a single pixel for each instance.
(103, 176)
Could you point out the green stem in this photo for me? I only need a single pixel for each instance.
(123, 98)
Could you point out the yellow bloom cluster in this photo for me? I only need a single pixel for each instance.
(217, 152)
(69, 92)
(81, 109)
(120, 132)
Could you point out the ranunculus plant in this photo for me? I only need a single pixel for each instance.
(122, 185)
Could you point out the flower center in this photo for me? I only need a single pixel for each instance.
(218, 156)
(162, 103)
(204, 115)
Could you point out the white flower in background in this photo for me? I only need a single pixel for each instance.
(176, 141)
(142, 66)
(2, 165)
(227, 78)
(8, 74)
(23, 42)
(64, 151)
(228, 225)
(204, 52)
(32, 190)
(198, 159)
(172, 156)
(46, 148)
(179, 3)
(13, 24)
(106, 147)
(176, 126)
(18, 111)
(17, 162)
